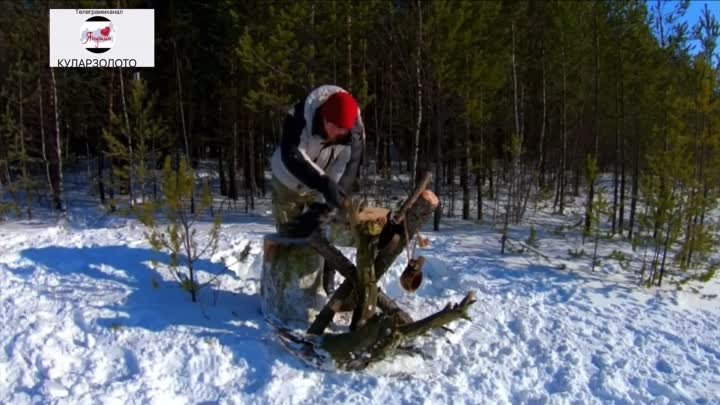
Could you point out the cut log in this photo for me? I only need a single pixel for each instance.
(291, 283)
(388, 306)
(392, 241)
(371, 221)
(422, 185)
(366, 225)
(347, 269)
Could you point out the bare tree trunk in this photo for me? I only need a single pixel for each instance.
(391, 95)
(23, 151)
(479, 167)
(515, 85)
(541, 165)
(438, 183)
(57, 166)
(233, 155)
(222, 176)
(616, 168)
(564, 134)
(260, 161)
(465, 173)
(244, 167)
(390, 141)
(4, 175)
(88, 171)
(596, 124)
(378, 137)
(182, 119)
(666, 242)
(621, 209)
(153, 167)
(334, 44)
(451, 176)
(312, 64)
(466, 162)
(693, 218)
(250, 174)
(704, 180)
(418, 123)
(232, 167)
(635, 186)
(131, 158)
(490, 172)
(348, 9)
(221, 171)
(43, 142)
(111, 168)
(515, 156)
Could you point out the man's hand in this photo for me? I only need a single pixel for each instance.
(334, 194)
(306, 223)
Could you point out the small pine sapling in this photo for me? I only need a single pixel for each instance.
(178, 236)
(591, 173)
(600, 207)
(709, 274)
(619, 257)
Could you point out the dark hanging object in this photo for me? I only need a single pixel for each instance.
(412, 277)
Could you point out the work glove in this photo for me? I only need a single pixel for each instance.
(313, 218)
(334, 194)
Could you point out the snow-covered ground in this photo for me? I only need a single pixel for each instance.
(89, 318)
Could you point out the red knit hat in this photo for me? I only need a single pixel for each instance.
(341, 109)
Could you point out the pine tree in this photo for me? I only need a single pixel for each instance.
(148, 136)
(669, 171)
(175, 232)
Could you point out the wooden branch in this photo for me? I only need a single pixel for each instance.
(388, 306)
(382, 334)
(367, 282)
(355, 350)
(334, 305)
(415, 217)
(422, 185)
(366, 225)
(347, 269)
(439, 319)
(333, 255)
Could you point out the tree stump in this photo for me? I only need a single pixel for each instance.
(291, 283)
(366, 225)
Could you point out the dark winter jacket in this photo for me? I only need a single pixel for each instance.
(306, 162)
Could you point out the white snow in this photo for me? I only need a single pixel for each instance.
(90, 318)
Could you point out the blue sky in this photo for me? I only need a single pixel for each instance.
(694, 11)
